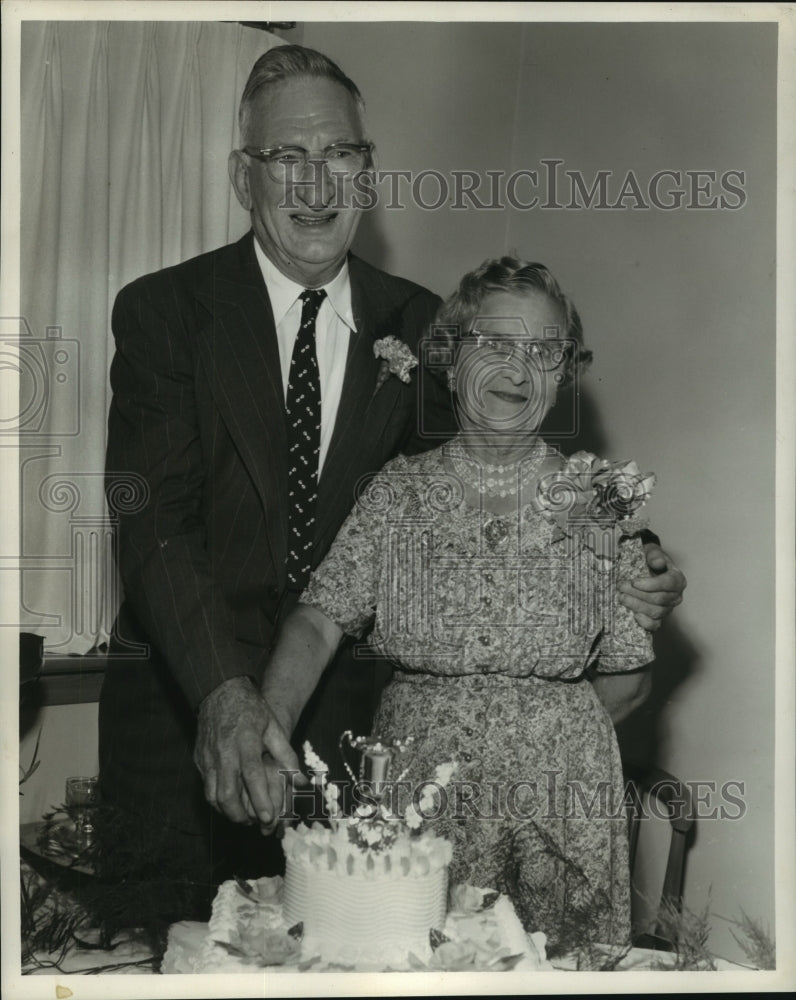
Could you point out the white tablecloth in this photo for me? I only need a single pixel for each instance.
(191, 935)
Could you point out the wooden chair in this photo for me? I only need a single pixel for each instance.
(643, 782)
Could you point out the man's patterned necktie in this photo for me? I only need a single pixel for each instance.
(303, 406)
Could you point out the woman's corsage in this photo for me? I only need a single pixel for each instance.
(590, 492)
(397, 359)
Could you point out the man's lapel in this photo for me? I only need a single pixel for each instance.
(241, 357)
(360, 373)
(239, 349)
(361, 415)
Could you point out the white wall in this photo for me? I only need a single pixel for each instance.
(439, 97)
(679, 309)
(68, 746)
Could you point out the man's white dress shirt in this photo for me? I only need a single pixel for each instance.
(333, 327)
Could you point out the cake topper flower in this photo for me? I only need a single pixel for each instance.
(320, 773)
(429, 804)
(374, 826)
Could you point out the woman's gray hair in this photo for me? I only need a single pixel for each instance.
(289, 62)
(459, 312)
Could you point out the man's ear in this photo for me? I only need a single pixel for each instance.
(368, 189)
(239, 177)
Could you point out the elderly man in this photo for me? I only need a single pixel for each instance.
(247, 394)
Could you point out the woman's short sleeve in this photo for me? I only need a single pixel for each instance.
(624, 644)
(344, 586)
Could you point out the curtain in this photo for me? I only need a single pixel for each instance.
(126, 129)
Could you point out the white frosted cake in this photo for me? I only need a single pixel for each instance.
(365, 906)
(364, 892)
(249, 932)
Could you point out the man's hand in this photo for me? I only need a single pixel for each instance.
(651, 598)
(236, 728)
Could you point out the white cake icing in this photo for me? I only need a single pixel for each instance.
(363, 907)
(367, 892)
(496, 931)
(488, 935)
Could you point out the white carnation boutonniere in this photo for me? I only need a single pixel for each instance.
(396, 359)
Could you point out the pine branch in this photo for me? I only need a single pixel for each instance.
(141, 879)
(49, 921)
(588, 910)
(689, 933)
(755, 942)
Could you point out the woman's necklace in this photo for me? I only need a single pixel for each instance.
(496, 480)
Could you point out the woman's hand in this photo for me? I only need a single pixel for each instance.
(651, 598)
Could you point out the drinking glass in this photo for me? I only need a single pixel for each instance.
(82, 795)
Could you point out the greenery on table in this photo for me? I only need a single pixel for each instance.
(687, 932)
(91, 898)
(755, 942)
(54, 922)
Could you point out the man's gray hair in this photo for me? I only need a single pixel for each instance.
(289, 62)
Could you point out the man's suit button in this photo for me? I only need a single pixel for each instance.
(272, 593)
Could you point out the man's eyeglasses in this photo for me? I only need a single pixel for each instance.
(289, 163)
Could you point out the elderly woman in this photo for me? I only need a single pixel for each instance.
(492, 589)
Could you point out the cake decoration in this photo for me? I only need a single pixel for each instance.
(368, 888)
(366, 891)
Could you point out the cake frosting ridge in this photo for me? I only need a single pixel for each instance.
(367, 905)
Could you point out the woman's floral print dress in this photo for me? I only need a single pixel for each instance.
(491, 623)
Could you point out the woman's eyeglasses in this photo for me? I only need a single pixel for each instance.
(548, 354)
